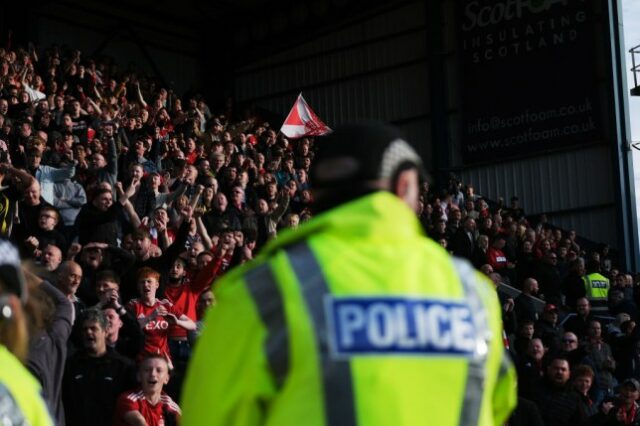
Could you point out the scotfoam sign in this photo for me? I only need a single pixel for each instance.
(478, 15)
(376, 326)
(507, 49)
(519, 27)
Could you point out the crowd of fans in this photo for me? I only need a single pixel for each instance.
(574, 348)
(129, 210)
(130, 200)
(569, 314)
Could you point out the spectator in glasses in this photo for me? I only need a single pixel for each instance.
(571, 349)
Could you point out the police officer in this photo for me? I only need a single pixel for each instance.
(596, 287)
(20, 400)
(355, 318)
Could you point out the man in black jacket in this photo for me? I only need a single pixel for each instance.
(98, 220)
(548, 276)
(525, 306)
(557, 402)
(547, 328)
(95, 376)
(463, 242)
(579, 324)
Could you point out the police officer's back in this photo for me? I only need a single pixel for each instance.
(355, 318)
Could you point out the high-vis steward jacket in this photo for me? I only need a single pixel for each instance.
(356, 318)
(596, 286)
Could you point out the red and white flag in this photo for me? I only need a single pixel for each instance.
(302, 121)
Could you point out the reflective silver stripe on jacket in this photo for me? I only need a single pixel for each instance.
(268, 299)
(476, 376)
(10, 413)
(336, 374)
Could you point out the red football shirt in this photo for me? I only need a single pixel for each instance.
(153, 414)
(156, 331)
(185, 296)
(497, 259)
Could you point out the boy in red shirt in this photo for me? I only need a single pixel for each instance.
(156, 315)
(148, 405)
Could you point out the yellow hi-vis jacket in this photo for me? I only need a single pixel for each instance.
(596, 286)
(20, 394)
(354, 319)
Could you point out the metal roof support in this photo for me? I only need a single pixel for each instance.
(438, 83)
(620, 134)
